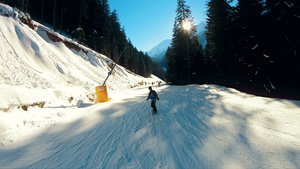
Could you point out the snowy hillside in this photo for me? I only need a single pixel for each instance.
(197, 126)
(39, 69)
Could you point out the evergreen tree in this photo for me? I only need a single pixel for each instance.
(42, 10)
(54, 15)
(184, 48)
(219, 40)
(61, 14)
(198, 68)
(171, 71)
(248, 31)
(149, 66)
(281, 45)
(141, 64)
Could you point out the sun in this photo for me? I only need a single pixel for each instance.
(186, 24)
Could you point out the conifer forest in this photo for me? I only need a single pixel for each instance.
(253, 46)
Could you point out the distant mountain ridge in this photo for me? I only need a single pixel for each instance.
(201, 31)
(160, 48)
(158, 53)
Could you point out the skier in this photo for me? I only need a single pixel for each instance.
(153, 96)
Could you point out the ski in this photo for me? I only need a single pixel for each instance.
(154, 113)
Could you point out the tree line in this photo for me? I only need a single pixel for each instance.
(254, 44)
(91, 23)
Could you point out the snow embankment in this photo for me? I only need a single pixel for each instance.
(34, 68)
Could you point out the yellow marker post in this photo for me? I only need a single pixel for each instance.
(101, 93)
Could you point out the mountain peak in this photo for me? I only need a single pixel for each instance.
(161, 47)
(201, 27)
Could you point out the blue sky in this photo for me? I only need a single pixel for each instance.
(148, 22)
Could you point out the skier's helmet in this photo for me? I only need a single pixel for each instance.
(150, 88)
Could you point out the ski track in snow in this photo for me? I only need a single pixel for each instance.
(196, 127)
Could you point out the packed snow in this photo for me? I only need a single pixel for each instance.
(197, 126)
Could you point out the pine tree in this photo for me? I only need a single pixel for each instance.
(247, 40)
(281, 44)
(219, 42)
(42, 10)
(183, 47)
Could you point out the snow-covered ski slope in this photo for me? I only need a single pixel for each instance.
(197, 126)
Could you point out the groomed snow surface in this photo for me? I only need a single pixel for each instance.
(197, 126)
(203, 126)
